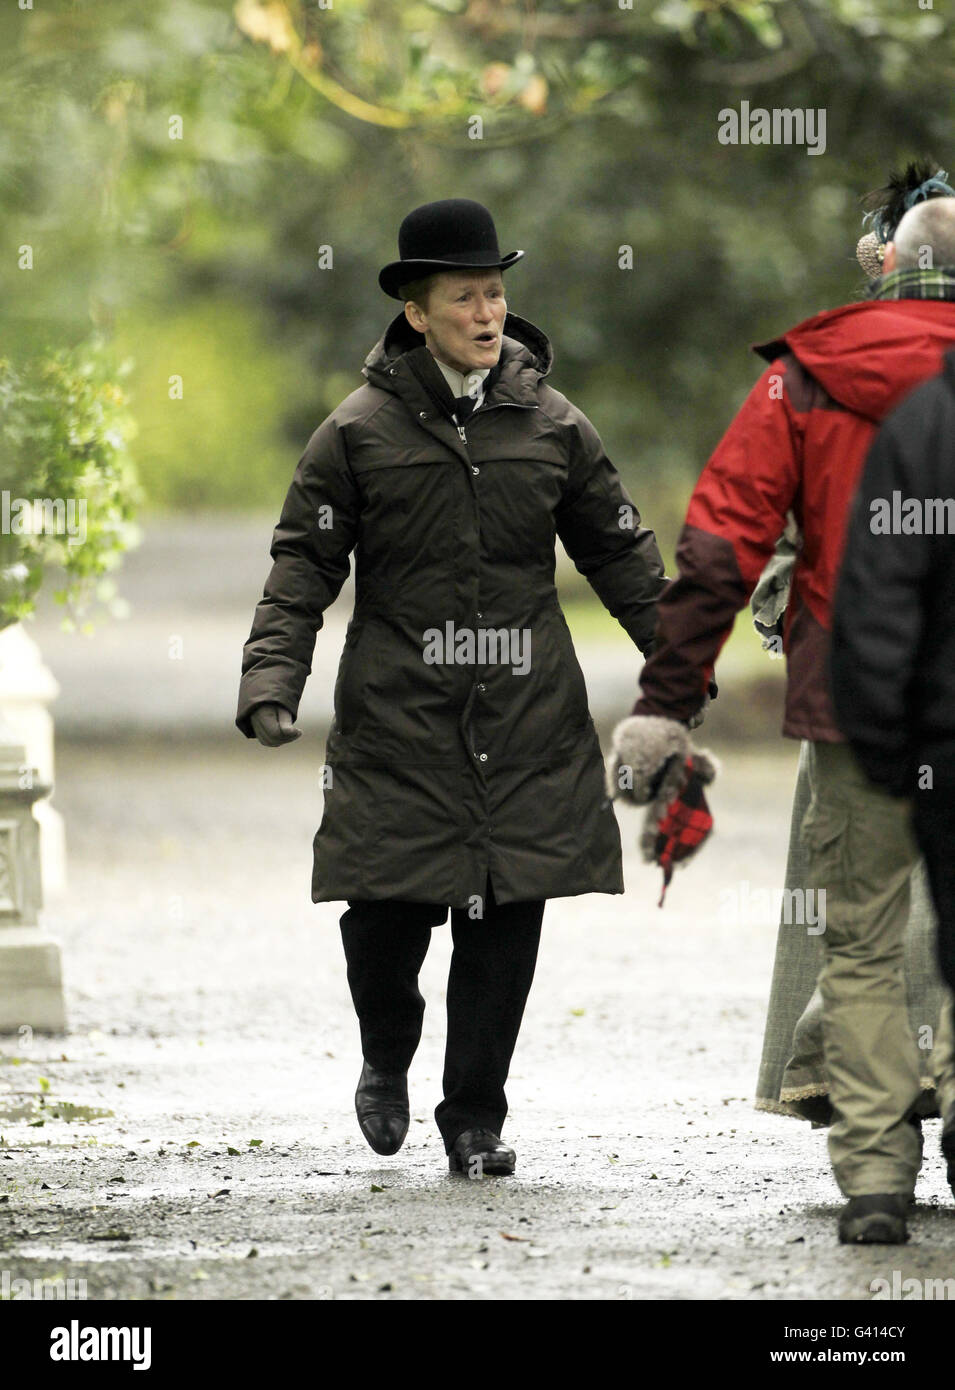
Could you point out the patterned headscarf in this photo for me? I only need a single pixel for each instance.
(916, 184)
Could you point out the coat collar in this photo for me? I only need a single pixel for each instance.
(401, 363)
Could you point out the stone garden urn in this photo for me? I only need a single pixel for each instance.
(31, 987)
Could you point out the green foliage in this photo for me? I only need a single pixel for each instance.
(217, 444)
(175, 168)
(64, 432)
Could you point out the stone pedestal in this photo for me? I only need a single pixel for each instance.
(27, 687)
(31, 987)
(31, 982)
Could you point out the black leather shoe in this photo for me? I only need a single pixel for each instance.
(875, 1219)
(381, 1104)
(480, 1151)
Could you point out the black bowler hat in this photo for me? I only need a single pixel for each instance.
(452, 234)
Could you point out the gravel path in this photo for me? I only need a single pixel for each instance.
(209, 1016)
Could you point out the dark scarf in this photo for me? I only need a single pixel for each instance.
(427, 371)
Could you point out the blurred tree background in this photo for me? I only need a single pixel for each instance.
(175, 171)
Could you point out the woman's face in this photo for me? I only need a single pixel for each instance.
(464, 318)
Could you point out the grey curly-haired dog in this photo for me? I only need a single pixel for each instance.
(647, 767)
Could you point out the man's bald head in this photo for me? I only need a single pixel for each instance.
(928, 225)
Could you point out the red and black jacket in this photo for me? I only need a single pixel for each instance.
(798, 443)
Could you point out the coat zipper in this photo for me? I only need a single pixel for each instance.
(499, 405)
(465, 727)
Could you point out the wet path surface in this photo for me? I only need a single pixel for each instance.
(193, 1135)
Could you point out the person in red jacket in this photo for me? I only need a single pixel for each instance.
(798, 445)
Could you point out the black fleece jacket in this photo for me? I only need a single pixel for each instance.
(892, 663)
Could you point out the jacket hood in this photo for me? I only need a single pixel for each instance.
(867, 356)
(523, 343)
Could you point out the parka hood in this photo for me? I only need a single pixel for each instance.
(522, 340)
(867, 356)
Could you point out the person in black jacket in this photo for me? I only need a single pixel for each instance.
(893, 649)
(463, 772)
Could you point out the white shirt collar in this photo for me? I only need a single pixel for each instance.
(465, 384)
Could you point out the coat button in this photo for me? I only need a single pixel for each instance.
(481, 687)
(422, 415)
(474, 469)
(483, 757)
(479, 615)
(393, 372)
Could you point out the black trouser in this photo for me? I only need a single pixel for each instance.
(934, 824)
(492, 966)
